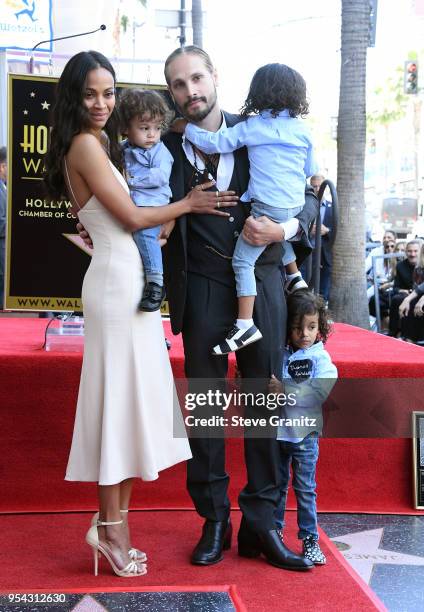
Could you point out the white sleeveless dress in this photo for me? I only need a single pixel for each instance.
(127, 406)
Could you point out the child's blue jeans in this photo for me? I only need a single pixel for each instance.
(151, 255)
(303, 457)
(245, 254)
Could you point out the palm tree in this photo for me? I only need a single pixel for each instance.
(197, 22)
(348, 301)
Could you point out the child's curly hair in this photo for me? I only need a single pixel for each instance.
(276, 87)
(304, 302)
(138, 102)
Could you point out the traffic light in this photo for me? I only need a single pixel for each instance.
(410, 78)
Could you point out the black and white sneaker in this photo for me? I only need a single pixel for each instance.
(236, 339)
(294, 284)
(312, 551)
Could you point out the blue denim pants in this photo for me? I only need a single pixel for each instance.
(303, 457)
(245, 254)
(150, 251)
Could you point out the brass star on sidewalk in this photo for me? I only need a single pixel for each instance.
(363, 552)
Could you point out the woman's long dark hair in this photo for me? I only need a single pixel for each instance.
(70, 118)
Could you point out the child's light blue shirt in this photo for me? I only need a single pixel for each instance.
(148, 172)
(310, 375)
(280, 153)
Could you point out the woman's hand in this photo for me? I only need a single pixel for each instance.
(178, 125)
(404, 307)
(84, 235)
(205, 202)
(419, 306)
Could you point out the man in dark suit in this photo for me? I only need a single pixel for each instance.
(202, 299)
(326, 212)
(403, 284)
(3, 207)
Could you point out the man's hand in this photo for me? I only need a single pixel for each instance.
(419, 306)
(262, 231)
(275, 386)
(84, 235)
(324, 230)
(165, 232)
(404, 307)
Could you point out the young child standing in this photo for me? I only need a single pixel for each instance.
(309, 373)
(148, 164)
(281, 158)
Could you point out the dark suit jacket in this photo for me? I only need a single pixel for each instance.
(404, 276)
(175, 252)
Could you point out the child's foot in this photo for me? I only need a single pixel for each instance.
(312, 551)
(236, 339)
(152, 298)
(293, 283)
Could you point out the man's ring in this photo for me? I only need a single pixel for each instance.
(218, 204)
(217, 194)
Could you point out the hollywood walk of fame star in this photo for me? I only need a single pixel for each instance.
(364, 552)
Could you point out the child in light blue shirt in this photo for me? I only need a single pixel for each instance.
(148, 165)
(281, 157)
(308, 374)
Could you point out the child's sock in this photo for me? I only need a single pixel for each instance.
(291, 276)
(244, 323)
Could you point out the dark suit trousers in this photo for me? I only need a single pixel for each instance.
(394, 321)
(211, 309)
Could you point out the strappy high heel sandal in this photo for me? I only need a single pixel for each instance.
(131, 570)
(133, 553)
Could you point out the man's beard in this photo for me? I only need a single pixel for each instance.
(199, 114)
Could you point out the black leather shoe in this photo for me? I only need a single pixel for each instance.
(152, 298)
(270, 544)
(216, 537)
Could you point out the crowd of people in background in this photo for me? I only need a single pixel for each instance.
(400, 283)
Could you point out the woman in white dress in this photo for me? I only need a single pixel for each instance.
(125, 413)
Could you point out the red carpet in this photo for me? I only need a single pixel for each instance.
(37, 404)
(48, 551)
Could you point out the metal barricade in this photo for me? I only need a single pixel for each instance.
(316, 253)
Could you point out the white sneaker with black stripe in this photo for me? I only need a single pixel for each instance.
(236, 339)
(294, 284)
